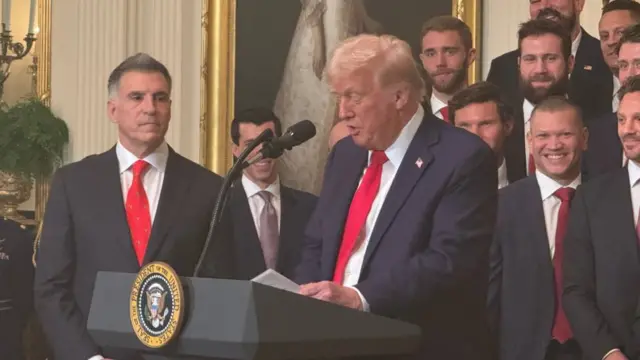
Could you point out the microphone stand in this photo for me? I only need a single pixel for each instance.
(232, 175)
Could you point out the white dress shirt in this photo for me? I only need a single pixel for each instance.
(151, 179)
(527, 109)
(437, 105)
(395, 153)
(576, 43)
(503, 180)
(551, 205)
(256, 203)
(615, 102)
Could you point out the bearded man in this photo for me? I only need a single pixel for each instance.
(446, 54)
(590, 85)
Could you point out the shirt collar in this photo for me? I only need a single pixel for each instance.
(548, 186)
(634, 172)
(527, 109)
(502, 175)
(252, 188)
(436, 104)
(395, 152)
(157, 159)
(576, 43)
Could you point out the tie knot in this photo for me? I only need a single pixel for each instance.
(378, 157)
(564, 194)
(265, 195)
(138, 167)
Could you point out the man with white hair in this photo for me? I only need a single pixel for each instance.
(405, 218)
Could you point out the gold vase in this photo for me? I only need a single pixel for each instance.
(14, 190)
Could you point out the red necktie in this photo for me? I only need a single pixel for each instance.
(137, 208)
(561, 330)
(532, 165)
(445, 113)
(358, 212)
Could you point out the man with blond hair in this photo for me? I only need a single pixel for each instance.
(405, 218)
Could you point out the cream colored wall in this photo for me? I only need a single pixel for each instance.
(501, 19)
(87, 45)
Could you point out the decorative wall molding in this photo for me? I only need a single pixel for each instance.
(86, 48)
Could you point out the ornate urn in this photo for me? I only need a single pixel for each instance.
(14, 190)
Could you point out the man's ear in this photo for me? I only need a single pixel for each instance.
(111, 110)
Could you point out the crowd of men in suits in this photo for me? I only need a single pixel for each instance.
(501, 216)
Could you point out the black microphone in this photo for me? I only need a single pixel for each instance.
(295, 135)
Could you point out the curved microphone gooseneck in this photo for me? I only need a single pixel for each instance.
(221, 201)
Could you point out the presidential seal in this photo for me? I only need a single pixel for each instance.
(156, 305)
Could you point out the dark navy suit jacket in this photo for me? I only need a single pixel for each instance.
(427, 258)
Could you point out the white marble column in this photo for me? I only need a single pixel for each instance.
(91, 37)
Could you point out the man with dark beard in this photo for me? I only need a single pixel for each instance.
(447, 52)
(544, 66)
(590, 84)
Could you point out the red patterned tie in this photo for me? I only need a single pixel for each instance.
(358, 212)
(561, 330)
(532, 165)
(445, 113)
(138, 215)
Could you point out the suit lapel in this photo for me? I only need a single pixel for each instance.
(619, 217)
(539, 240)
(350, 166)
(112, 204)
(405, 180)
(174, 188)
(515, 156)
(287, 225)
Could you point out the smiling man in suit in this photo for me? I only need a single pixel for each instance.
(601, 268)
(526, 257)
(278, 212)
(605, 152)
(591, 82)
(405, 218)
(136, 203)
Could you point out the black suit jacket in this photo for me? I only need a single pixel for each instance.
(521, 288)
(602, 266)
(426, 260)
(85, 231)
(16, 287)
(514, 149)
(591, 82)
(248, 259)
(604, 153)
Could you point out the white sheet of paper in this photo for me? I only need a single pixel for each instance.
(274, 279)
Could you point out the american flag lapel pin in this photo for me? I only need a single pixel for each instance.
(419, 163)
(588, 67)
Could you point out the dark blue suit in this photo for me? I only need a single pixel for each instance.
(427, 258)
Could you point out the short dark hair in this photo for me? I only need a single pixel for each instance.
(140, 62)
(480, 93)
(539, 27)
(256, 116)
(631, 35)
(557, 103)
(631, 6)
(631, 85)
(449, 23)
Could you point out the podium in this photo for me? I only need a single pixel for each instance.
(232, 319)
